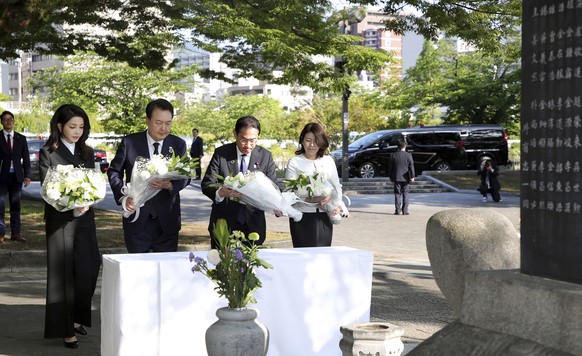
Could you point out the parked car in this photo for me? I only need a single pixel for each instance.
(101, 160)
(432, 149)
(34, 149)
(484, 142)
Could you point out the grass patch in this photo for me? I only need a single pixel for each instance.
(109, 230)
(470, 180)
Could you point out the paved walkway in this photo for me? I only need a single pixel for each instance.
(404, 291)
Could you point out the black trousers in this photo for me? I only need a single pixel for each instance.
(150, 238)
(401, 190)
(13, 189)
(314, 230)
(73, 263)
(495, 195)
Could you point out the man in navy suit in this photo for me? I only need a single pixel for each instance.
(159, 221)
(197, 151)
(230, 159)
(401, 172)
(14, 170)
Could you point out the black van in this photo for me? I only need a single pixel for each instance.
(482, 142)
(431, 148)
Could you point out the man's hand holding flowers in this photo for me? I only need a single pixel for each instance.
(149, 176)
(258, 191)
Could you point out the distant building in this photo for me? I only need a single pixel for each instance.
(210, 89)
(18, 72)
(374, 34)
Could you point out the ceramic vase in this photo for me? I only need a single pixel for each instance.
(237, 332)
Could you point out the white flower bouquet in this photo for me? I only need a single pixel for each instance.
(313, 188)
(157, 167)
(262, 193)
(310, 188)
(66, 187)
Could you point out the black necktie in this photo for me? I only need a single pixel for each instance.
(10, 143)
(156, 145)
(243, 163)
(241, 217)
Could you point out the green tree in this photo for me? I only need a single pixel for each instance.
(451, 87)
(483, 89)
(115, 92)
(255, 37)
(36, 120)
(483, 23)
(366, 116)
(139, 32)
(217, 118)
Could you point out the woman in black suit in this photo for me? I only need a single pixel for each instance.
(72, 251)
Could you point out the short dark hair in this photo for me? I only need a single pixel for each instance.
(162, 104)
(320, 138)
(245, 122)
(401, 144)
(6, 112)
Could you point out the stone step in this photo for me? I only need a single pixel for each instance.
(383, 185)
(391, 191)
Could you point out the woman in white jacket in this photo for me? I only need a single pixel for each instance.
(316, 227)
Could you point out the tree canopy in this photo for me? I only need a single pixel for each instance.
(254, 37)
(114, 91)
(474, 87)
(483, 23)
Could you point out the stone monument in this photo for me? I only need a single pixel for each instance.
(535, 310)
(551, 140)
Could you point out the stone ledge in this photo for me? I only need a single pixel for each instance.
(460, 339)
(543, 310)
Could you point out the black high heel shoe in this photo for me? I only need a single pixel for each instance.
(71, 344)
(81, 330)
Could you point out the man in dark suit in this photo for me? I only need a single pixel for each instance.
(230, 159)
(159, 220)
(14, 170)
(197, 151)
(401, 172)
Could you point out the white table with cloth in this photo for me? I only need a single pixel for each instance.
(152, 304)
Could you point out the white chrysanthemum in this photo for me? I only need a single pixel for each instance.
(100, 191)
(162, 168)
(53, 193)
(144, 175)
(302, 192)
(62, 169)
(213, 257)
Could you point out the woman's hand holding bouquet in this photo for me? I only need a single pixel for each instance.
(318, 190)
(66, 187)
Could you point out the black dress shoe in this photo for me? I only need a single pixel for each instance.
(81, 330)
(396, 213)
(71, 344)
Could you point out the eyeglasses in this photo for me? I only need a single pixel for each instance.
(9, 119)
(249, 141)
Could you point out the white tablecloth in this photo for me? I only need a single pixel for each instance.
(152, 304)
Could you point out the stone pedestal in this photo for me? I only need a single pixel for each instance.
(539, 309)
(374, 339)
(512, 314)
